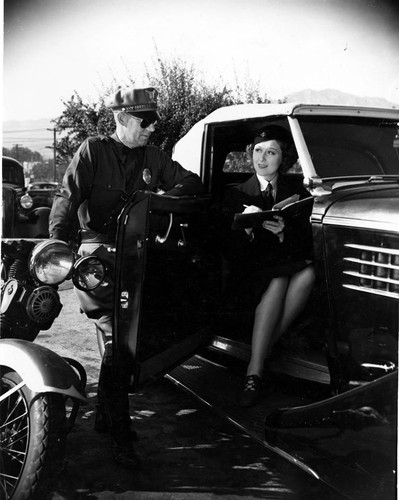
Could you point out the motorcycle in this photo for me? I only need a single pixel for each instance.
(40, 391)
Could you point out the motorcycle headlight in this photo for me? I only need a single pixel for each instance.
(26, 201)
(51, 262)
(88, 273)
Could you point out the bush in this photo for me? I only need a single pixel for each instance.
(184, 99)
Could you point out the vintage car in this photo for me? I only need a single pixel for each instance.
(330, 406)
(20, 218)
(330, 402)
(42, 193)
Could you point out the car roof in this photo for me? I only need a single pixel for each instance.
(187, 150)
(8, 159)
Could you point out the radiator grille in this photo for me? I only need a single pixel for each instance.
(374, 269)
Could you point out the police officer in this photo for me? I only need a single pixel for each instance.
(100, 177)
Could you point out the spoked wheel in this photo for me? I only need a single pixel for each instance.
(32, 438)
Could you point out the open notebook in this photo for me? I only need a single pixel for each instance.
(290, 207)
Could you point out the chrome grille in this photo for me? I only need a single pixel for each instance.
(375, 269)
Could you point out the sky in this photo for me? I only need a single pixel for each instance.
(53, 48)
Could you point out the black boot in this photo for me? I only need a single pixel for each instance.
(102, 425)
(113, 416)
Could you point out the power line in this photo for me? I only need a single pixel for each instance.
(20, 131)
(11, 139)
(27, 139)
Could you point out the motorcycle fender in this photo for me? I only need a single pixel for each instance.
(41, 369)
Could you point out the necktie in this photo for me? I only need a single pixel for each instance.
(267, 195)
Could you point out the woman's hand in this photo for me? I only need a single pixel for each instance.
(251, 209)
(276, 227)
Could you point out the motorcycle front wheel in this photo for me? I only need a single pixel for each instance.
(32, 438)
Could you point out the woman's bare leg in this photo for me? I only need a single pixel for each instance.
(298, 292)
(281, 303)
(267, 316)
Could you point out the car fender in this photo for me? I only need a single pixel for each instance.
(39, 217)
(34, 224)
(41, 369)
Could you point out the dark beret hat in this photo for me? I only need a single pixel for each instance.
(138, 102)
(273, 132)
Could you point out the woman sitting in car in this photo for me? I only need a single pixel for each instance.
(272, 260)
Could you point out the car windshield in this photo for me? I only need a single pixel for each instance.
(351, 146)
(42, 185)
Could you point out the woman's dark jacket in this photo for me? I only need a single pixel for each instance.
(264, 255)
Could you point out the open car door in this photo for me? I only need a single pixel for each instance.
(165, 282)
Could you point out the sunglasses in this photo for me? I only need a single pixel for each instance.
(144, 123)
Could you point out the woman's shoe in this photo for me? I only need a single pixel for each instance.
(251, 391)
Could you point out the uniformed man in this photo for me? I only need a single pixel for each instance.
(101, 175)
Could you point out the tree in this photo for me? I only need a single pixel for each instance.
(23, 154)
(78, 121)
(43, 171)
(184, 99)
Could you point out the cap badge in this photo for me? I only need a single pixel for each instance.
(151, 95)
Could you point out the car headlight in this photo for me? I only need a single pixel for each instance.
(88, 273)
(26, 201)
(51, 262)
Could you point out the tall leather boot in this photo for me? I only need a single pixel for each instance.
(113, 414)
(102, 423)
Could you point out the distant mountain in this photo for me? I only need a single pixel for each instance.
(331, 96)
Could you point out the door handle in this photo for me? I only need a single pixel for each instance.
(162, 239)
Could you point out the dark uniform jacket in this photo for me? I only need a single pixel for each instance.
(101, 171)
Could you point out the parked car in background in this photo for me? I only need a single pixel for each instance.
(20, 219)
(331, 401)
(42, 193)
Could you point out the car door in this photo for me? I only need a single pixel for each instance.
(166, 282)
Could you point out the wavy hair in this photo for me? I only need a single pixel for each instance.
(283, 138)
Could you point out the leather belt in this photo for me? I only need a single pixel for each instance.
(89, 236)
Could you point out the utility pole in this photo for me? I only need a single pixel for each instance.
(55, 152)
(16, 147)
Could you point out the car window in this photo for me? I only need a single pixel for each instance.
(240, 162)
(12, 173)
(237, 161)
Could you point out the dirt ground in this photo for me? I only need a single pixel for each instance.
(186, 451)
